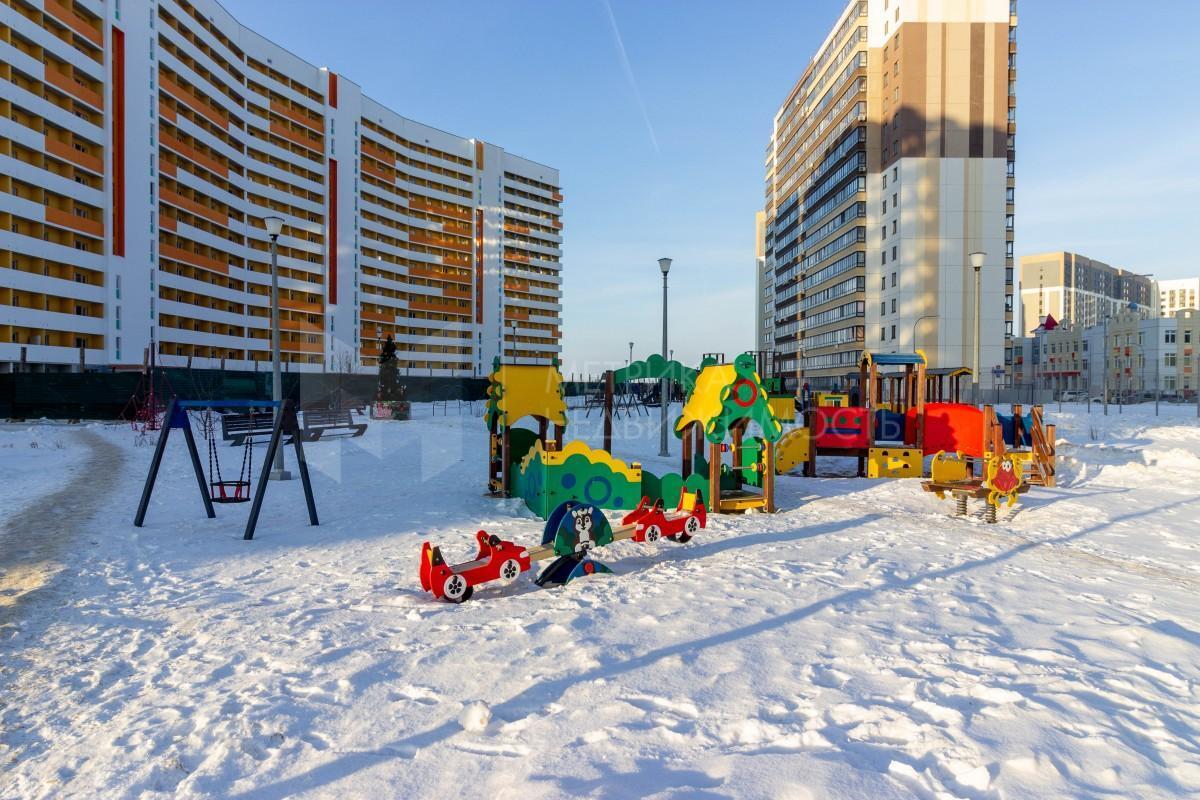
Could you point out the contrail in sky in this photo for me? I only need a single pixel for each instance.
(637, 95)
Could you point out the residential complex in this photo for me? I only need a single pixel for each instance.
(1178, 294)
(142, 146)
(1127, 354)
(1073, 288)
(890, 161)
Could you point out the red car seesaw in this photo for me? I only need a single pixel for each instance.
(571, 532)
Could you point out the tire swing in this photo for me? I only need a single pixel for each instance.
(221, 490)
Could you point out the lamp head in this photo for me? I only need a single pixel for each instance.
(274, 226)
(665, 265)
(977, 258)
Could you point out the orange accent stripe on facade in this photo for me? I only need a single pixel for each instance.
(430, 208)
(300, 305)
(299, 325)
(298, 117)
(416, 237)
(441, 308)
(192, 154)
(302, 139)
(332, 237)
(65, 219)
(68, 18)
(67, 85)
(118, 140)
(200, 210)
(166, 112)
(166, 223)
(193, 101)
(333, 90)
(68, 153)
(512, 255)
(301, 347)
(166, 167)
(437, 275)
(451, 291)
(377, 171)
(479, 266)
(195, 259)
(379, 152)
(377, 316)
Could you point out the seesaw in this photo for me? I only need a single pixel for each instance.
(572, 531)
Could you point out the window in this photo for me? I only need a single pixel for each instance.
(894, 225)
(893, 279)
(893, 305)
(885, 206)
(883, 280)
(882, 334)
(895, 200)
(885, 180)
(1008, 302)
(1187, 337)
(883, 232)
(893, 332)
(883, 257)
(895, 173)
(1008, 328)
(1169, 336)
(883, 308)
(893, 252)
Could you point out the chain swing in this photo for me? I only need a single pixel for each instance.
(221, 490)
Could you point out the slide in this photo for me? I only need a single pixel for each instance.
(792, 450)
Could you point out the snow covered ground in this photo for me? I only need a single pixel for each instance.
(860, 644)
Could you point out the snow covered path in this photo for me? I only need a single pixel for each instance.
(35, 541)
(861, 644)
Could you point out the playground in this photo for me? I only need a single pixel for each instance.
(862, 641)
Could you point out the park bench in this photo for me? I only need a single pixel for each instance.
(316, 423)
(236, 428)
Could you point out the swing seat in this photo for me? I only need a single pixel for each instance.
(229, 491)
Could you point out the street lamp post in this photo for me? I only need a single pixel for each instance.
(274, 226)
(630, 360)
(664, 264)
(977, 263)
(918, 321)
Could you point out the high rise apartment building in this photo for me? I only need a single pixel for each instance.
(1178, 294)
(142, 145)
(1083, 291)
(890, 161)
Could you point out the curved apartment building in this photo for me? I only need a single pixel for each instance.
(890, 160)
(142, 145)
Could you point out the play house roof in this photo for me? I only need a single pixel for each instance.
(894, 359)
(725, 394)
(517, 391)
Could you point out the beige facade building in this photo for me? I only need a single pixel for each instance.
(1083, 291)
(890, 161)
(1177, 295)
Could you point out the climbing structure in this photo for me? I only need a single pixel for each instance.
(516, 391)
(725, 400)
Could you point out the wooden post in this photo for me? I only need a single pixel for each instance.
(920, 413)
(1018, 426)
(868, 401)
(737, 454)
(686, 452)
(504, 467)
(558, 437)
(543, 429)
(768, 478)
(608, 409)
(1051, 466)
(714, 477)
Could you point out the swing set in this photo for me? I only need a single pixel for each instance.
(215, 488)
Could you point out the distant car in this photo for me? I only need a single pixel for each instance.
(1074, 397)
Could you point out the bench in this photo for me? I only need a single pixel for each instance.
(317, 423)
(236, 428)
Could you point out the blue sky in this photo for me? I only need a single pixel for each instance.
(659, 132)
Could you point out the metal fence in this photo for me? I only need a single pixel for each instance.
(117, 395)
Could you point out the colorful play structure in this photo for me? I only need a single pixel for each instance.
(733, 443)
(720, 459)
(728, 431)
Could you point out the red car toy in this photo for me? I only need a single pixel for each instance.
(651, 523)
(497, 560)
